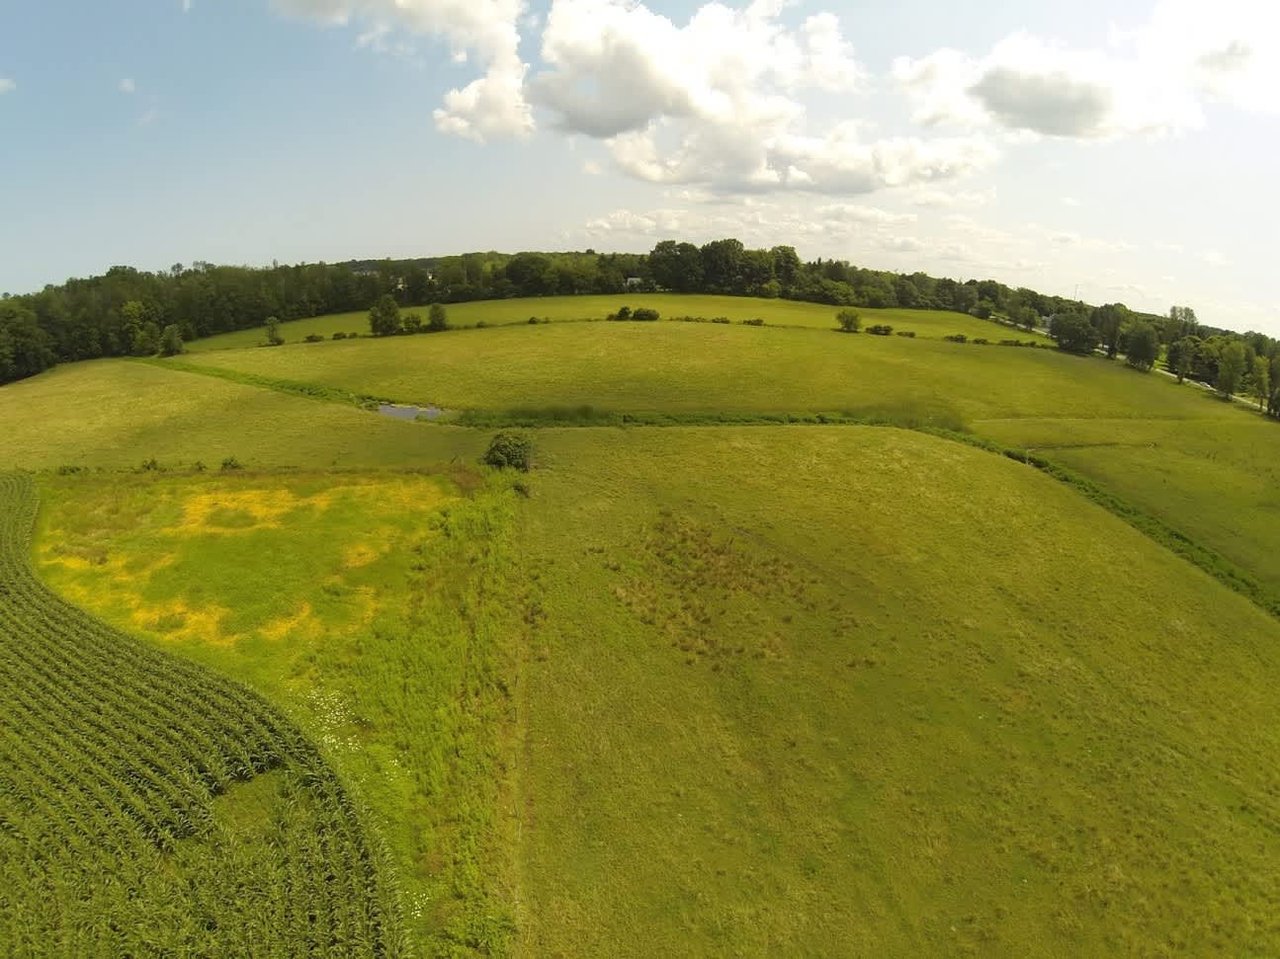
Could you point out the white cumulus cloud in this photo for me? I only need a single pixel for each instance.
(1028, 84)
(7, 85)
(717, 101)
(493, 104)
(127, 86)
(1152, 80)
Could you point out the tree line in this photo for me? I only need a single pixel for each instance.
(131, 312)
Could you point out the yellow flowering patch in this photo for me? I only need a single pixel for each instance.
(301, 624)
(243, 510)
(217, 560)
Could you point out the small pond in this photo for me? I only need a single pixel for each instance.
(399, 412)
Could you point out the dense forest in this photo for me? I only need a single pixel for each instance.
(128, 312)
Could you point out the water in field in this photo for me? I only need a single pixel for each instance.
(410, 412)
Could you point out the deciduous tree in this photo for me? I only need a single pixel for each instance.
(1260, 380)
(1074, 333)
(384, 318)
(1231, 369)
(1143, 346)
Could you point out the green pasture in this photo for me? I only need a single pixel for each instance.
(932, 324)
(1204, 467)
(840, 691)
(736, 690)
(117, 414)
(715, 689)
(678, 367)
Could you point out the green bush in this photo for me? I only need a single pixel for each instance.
(850, 321)
(339, 335)
(909, 334)
(313, 338)
(880, 329)
(754, 321)
(508, 450)
(231, 463)
(956, 338)
(645, 315)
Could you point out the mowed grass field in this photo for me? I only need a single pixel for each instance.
(117, 414)
(678, 367)
(737, 690)
(932, 324)
(1206, 468)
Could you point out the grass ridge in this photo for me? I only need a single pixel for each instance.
(327, 394)
(1206, 559)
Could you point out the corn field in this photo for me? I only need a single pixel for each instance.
(126, 826)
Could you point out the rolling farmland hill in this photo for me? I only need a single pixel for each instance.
(702, 682)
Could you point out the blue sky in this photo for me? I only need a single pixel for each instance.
(1123, 148)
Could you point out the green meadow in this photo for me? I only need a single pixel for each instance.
(715, 687)
(734, 690)
(117, 414)
(1203, 467)
(931, 324)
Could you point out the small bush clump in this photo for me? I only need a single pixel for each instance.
(509, 450)
(642, 314)
(850, 321)
(313, 338)
(880, 329)
(719, 319)
(909, 334)
(980, 341)
(339, 336)
(956, 338)
(231, 463)
(754, 321)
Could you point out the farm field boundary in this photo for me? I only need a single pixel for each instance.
(186, 813)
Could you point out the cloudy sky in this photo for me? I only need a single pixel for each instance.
(1124, 148)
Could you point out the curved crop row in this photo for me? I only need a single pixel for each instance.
(113, 838)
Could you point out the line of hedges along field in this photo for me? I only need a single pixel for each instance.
(151, 807)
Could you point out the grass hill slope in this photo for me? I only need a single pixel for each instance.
(929, 324)
(757, 690)
(716, 688)
(863, 692)
(1206, 468)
